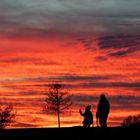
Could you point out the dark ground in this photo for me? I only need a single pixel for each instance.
(71, 133)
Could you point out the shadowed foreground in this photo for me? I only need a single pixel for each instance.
(69, 133)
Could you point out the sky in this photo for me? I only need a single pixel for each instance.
(91, 46)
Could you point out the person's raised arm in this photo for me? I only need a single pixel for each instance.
(81, 112)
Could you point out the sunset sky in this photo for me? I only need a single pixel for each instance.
(91, 46)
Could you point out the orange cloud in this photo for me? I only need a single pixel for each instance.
(28, 65)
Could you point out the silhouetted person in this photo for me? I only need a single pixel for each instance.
(102, 111)
(88, 116)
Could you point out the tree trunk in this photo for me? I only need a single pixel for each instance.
(58, 118)
(58, 109)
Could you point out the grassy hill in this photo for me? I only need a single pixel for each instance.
(70, 133)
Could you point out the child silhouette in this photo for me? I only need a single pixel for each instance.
(88, 116)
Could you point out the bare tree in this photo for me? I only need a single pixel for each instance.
(6, 116)
(131, 121)
(57, 99)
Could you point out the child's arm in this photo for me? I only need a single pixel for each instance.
(81, 112)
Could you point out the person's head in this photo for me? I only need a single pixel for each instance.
(88, 107)
(102, 96)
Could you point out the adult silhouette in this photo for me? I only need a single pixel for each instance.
(88, 116)
(102, 112)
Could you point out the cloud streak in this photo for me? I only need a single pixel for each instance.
(42, 17)
(118, 102)
(111, 84)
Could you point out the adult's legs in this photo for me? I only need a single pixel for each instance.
(103, 122)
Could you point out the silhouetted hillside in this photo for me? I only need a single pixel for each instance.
(70, 133)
